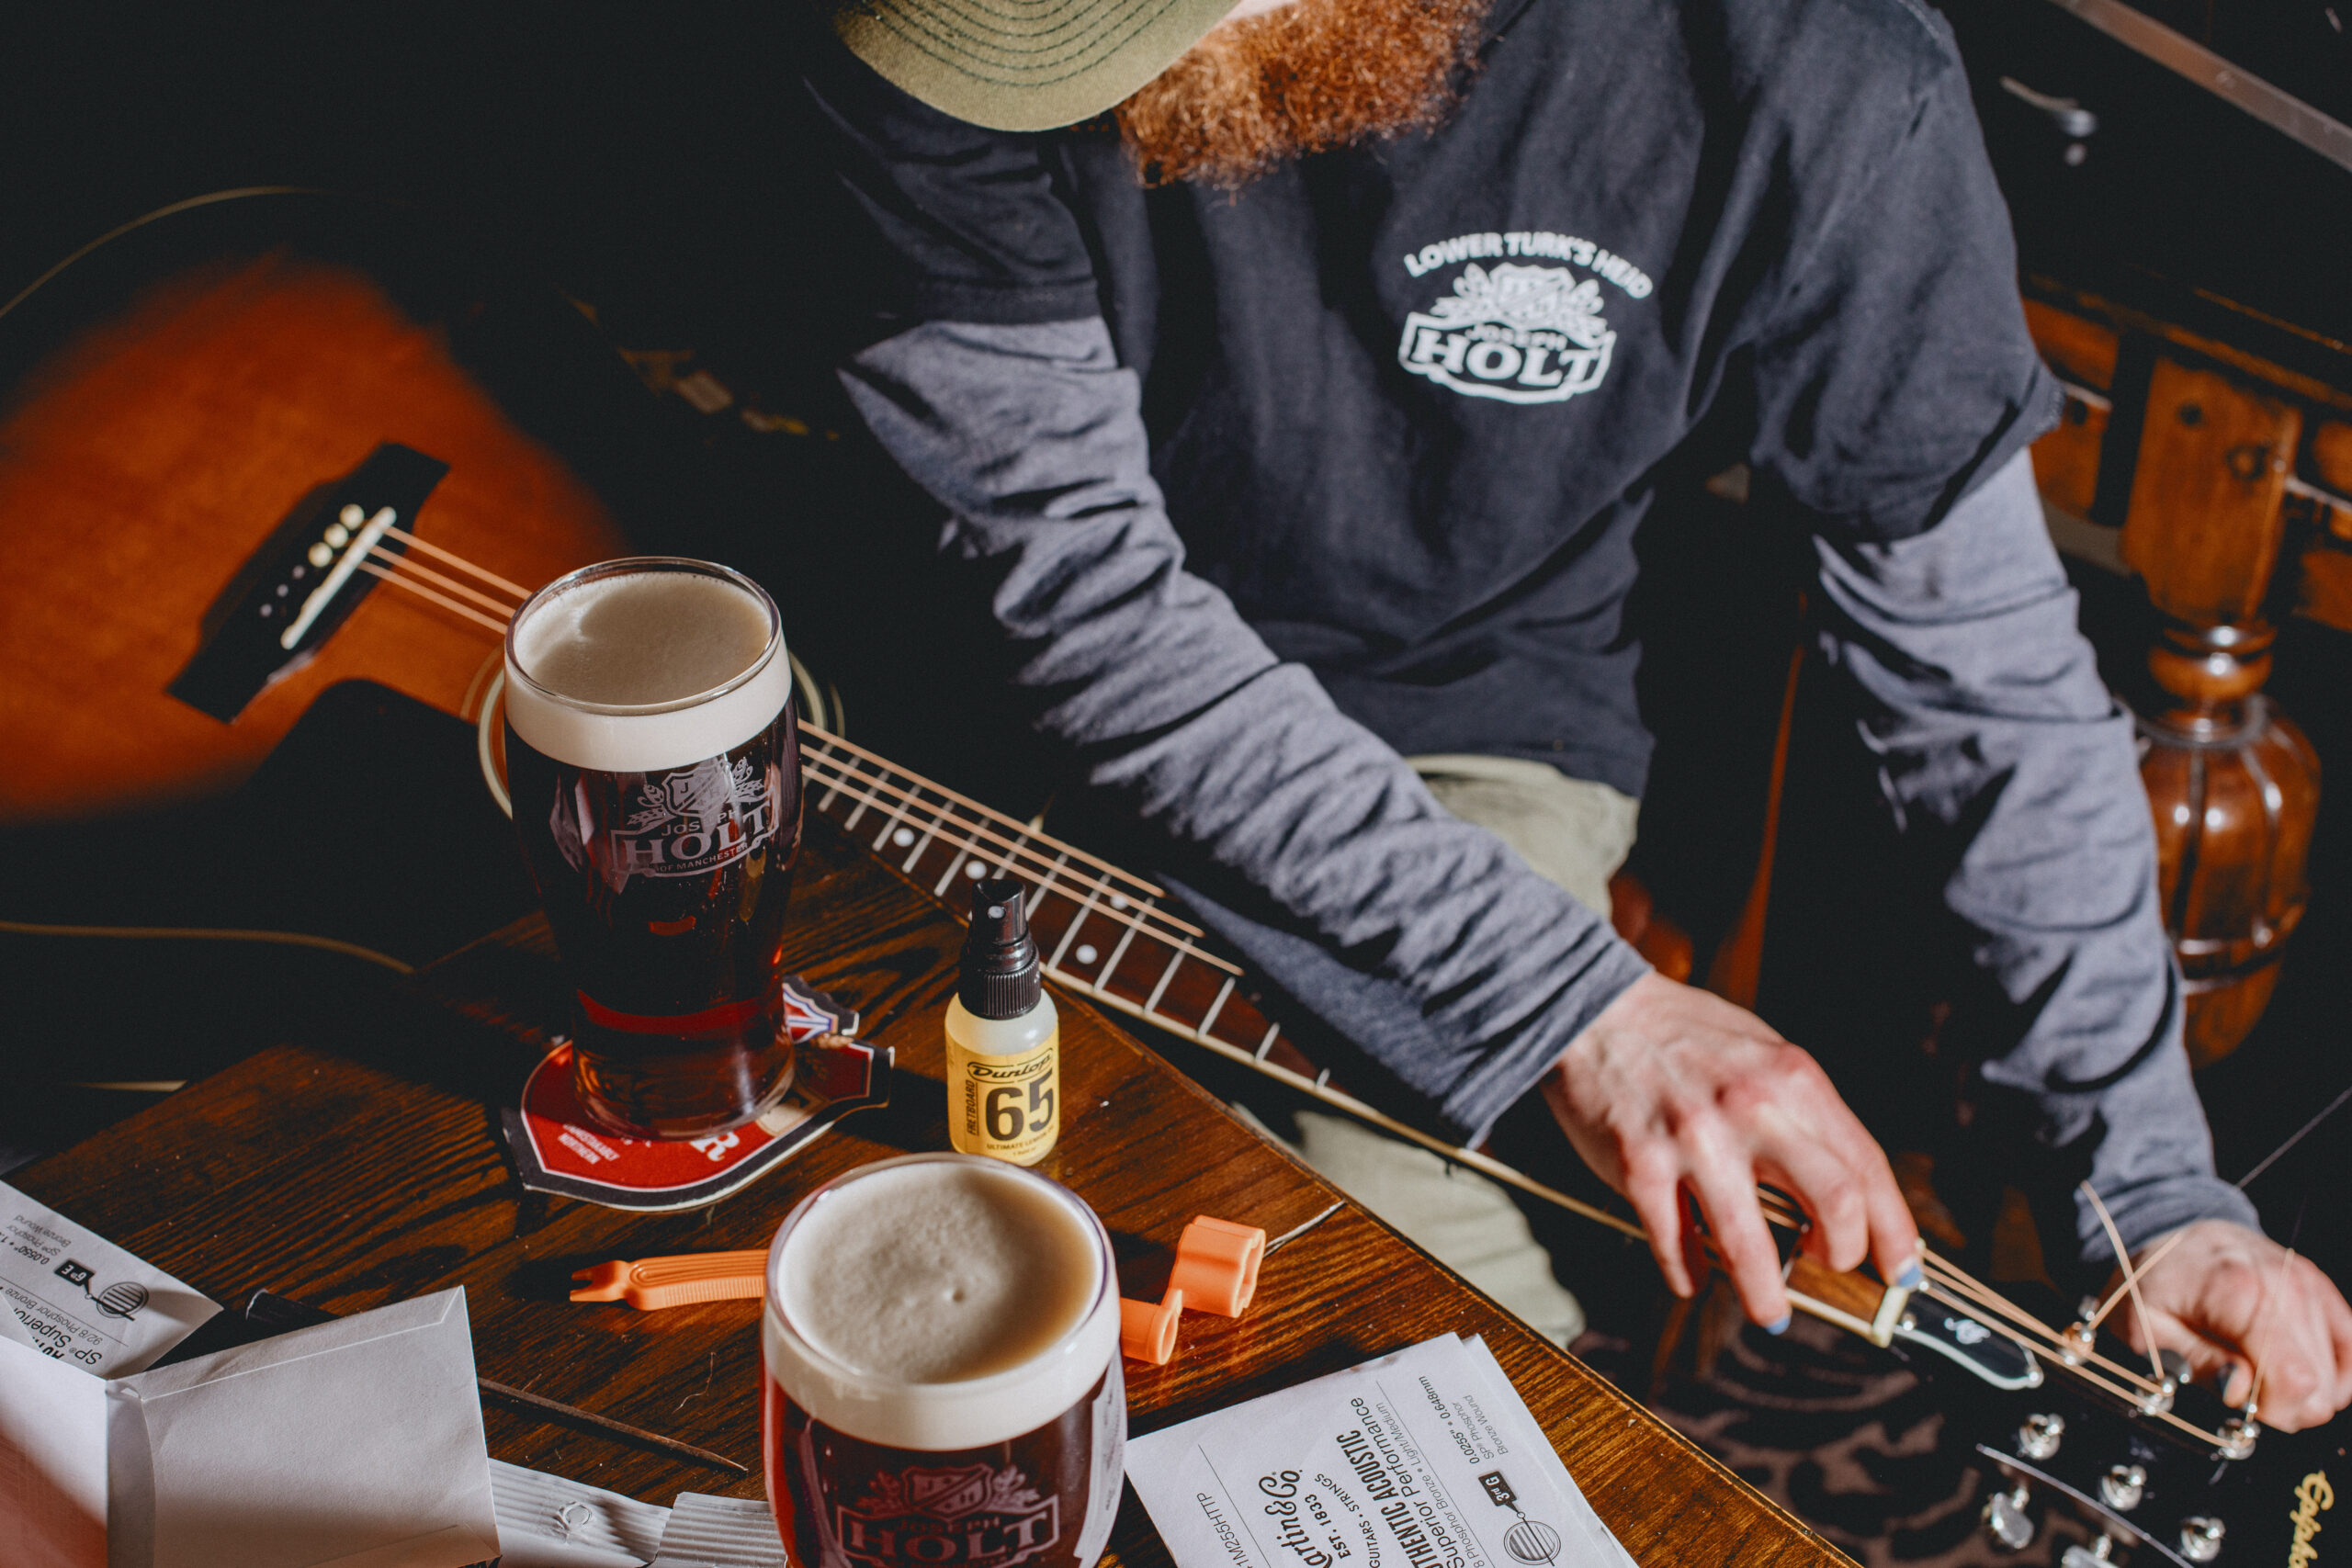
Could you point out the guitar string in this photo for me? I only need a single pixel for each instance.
(869, 783)
(1139, 913)
(2054, 1341)
(441, 581)
(1103, 866)
(847, 774)
(438, 553)
(2127, 1385)
(1016, 850)
(2241, 1184)
(1321, 1089)
(1098, 890)
(401, 580)
(2090, 1376)
(2254, 1394)
(2130, 1274)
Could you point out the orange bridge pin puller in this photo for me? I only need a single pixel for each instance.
(1147, 1330)
(1216, 1265)
(654, 1282)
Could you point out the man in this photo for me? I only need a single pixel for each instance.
(1295, 419)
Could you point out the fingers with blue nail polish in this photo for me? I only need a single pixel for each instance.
(1912, 1277)
(1779, 1324)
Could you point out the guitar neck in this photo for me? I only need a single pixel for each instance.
(1109, 935)
(1101, 931)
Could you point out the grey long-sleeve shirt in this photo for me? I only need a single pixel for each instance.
(1426, 941)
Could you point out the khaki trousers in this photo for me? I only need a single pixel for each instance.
(1575, 833)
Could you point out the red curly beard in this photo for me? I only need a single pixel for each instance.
(1311, 76)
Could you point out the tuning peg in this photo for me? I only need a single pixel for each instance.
(2038, 1439)
(2007, 1521)
(2238, 1434)
(2201, 1538)
(2097, 1557)
(2123, 1486)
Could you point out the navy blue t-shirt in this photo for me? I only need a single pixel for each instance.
(1407, 399)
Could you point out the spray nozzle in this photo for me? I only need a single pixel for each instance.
(999, 968)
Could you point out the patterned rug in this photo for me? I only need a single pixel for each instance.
(1850, 1438)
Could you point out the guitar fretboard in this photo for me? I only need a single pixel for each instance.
(1101, 931)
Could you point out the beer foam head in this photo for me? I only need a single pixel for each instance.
(635, 665)
(643, 640)
(939, 1301)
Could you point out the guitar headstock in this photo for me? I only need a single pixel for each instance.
(2085, 1478)
(2083, 1475)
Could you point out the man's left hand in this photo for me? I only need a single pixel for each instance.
(2233, 1301)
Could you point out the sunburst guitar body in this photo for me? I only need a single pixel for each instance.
(184, 406)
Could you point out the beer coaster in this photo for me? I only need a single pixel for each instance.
(559, 1148)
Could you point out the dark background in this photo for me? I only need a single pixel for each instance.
(638, 160)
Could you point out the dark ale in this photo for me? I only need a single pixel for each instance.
(654, 768)
(943, 1387)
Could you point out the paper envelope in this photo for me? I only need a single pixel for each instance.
(354, 1444)
(357, 1443)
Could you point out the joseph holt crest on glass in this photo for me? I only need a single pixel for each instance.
(654, 767)
(943, 1387)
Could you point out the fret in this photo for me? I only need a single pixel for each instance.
(1071, 934)
(897, 813)
(930, 831)
(831, 795)
(908, 802)
(948, 878)
(1208, 1020)
(1151, 1002)
(1111, 965)
(1004, 866)
(1143, 889)
(865, 801)
(1267, 1044)
(1050, 918)
(1052, 873)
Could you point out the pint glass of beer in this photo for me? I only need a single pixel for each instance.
(655, 772)
(943, 1387)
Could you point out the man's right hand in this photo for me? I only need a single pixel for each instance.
(1671, 1088)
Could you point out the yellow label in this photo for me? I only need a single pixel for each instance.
(1008, 1107)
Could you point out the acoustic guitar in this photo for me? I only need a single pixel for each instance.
(192, 404)
(261, 444)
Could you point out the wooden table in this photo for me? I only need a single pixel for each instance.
(363, 1165)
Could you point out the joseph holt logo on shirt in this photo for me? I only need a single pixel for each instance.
(1518, 331)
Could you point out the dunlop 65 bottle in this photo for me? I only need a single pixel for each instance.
(1004, 1038)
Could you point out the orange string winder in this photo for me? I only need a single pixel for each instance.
(1216, 1265)
(652, 1282)
(1148, 1332)
(1217, 1270)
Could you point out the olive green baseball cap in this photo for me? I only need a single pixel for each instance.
(1024, 64)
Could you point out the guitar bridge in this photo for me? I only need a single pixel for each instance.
(289, 597)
